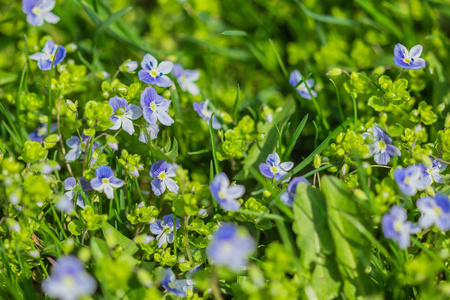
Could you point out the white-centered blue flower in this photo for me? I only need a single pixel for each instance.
(225, 194)
(435, 211)
(409, 59)
(409, 180)
(151, 131)
(155, 107)
(162, 171)
(48, 54)
(69, 280)
(381, 147)
(154, 73)
(432, 173)
(186, 79)
(274, 168)
(163, 229)
(105, 181)
(124, 114)
(295, 77)
(396, 226)
(38, 11)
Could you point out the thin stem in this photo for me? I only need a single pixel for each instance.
(215, 286)
(186, 239)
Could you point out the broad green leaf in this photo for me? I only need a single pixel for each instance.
(75, 227)
(6, 77)
(352, 250)
(310, 224)
(129, 247)
(326, 280)
(99, 248)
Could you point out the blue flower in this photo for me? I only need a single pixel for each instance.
(152, 131)
(77, 147)
(273, 168)
(432, 173)
(45, 58)
(38, 11)
(295, 77)
(152, 73)
(155, 107)
(69, 280)
(409, 180)
(434, 211)
(227, 196)
(202, 109)
(381, 147)
(163, 229)
(41, 131)
(105, 181)
(397, 228)
(177, 287)
(162, 171)
(186, 79)
(409, 59)
(65, 204)
(124, 114)
(129, 66)
(231, 247)
(289, 196)
(70, 185)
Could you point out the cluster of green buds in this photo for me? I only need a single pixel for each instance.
(393, 94)
(347, 145)
(131, 163)
(98, 115)
(237, 140)
(92, 220)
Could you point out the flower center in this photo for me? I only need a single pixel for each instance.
(162, 175)
(105, 180)
(36, 10)
(153, 73)
(382, 146)
(398, 226)
(227, 247)
(437, 210)
(120, 112)
(153, 106)
(274, 170)
(68, 281)
(222, 194)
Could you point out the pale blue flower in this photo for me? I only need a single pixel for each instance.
(124, 114)
(225, 194)
(231, 247)
(435, 211)
(186, 79)
(177, 287)
(381, 147)
(105, 181)
(409, 180)
(151, 131)
(45, 58)
(202, 109)
(163, 229)
(396, 227)
(154, 73)
(289, 196)
(274, 168)
(38, 11)
(295, 78)
(162, 171)
(69, 280)
(155, 107)
(409, 59)
(432, 173)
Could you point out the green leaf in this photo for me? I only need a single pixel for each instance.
(295, 137)
(326, 18)
(75, 227)
(6, 77)
(351, 247)
(112, 19)
(235, 33)
(129, 247)
(326, 280)
(310, 224)
(99, 249)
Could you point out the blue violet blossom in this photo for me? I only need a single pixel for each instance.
(202, 109)
(396, 227)
(38, 11)
(124, 114)
(295, 77)
(155, 107)
(274, 168)
(105, 181)
(151, 131)
(45, 58)
(69, 280)
(409, 180)
(432, 173)
(41, 131)
(162, 171)
(231, 247)
(163, 229)
(177, 287)
(225, 194)
(435, 211)
(289, 196)
(409, 59)
(186, 79)
(154, 73)
(77, 147)
(381, 147)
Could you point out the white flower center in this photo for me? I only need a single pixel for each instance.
(398, 225)
(274, 170)
(153, 106)
(162, 175)
(105, 180)
(153, 73)
(36, 10)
